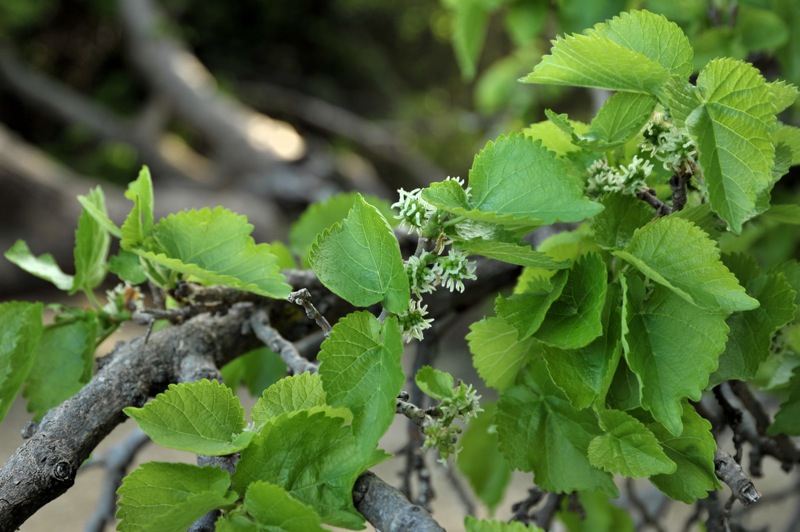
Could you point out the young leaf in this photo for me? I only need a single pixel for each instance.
(44, 266)
(526, 311)
(574, 319)
(471, 524)
(541, 431)
(585, 374)
(732, 123)
(618, 120)
(672, 347)
(215, 246)
(614, 227)
(513, 253)
(787, 420)
(480, 460)
(311, 456)
(751, 332)
(497, 353)
(22, 327)
(790, 136)
(290, 394)
(170, 497)
(64, 360)
(693, 452)
(99, 213)
(91, 245)
(677, 254)
(359, 260)
(321, 215)
(434, 383)
(127, 266)
(635, 52)
(139, 223)
(628, 448)
(268, 507)
(202, 417)
(361, 370)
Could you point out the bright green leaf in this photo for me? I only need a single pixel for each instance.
(269, 508)
(787, 420)
(311, 456)
(201, 417)
(480, 460)
(693, 452)
(554, 138)
(574, 319)
(64, 361)
(91, 245)
(257, 370)
(614, 227)
(472, 524)
(525, 311)
(127, 266)
(44, 266)
(541, 431)
(497, 353)
(21, 330)
(290, 394)
(361, 370)
(139, 224)
(359, 260)
(677, 254)
(215, 246)
(513, 253)
(99, 213)
(672, 347)
(789, 135)
(628, 448)
(168, 497)
(434, 383)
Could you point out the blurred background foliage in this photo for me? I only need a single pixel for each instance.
(439, 78)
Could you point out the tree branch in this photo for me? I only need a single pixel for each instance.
(732, 474)
(649, 197)
(388, 509)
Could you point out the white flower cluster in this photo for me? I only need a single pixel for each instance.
(626, 179)
(672, 146)
(442, 433)
(415, 212)
(123, 300)
(413, 322)
(454, 269)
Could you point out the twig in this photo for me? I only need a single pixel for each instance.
(732, 474)
(116, 461)
(649, 196)
(678, 185)
(522, 509)
(296, 363)
(388, 509)
(302, 297)
(544, 517)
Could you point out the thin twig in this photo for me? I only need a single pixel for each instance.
(649, 196)
(302, 297)
(522, 509)
(732, 474)
(296, 363)
(678, 185)
(544, 517)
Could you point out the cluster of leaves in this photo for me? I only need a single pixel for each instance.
(612, 330)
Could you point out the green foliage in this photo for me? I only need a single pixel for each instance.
(292, 394)
(498, 354)
(269, 507)
(44, 266)
(22, 327)
(472, 524)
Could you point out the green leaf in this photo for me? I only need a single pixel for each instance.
(470, 20)
(201, 417)
(436, 384)
(21, 330)
(268, 507)
(361, 370)
(789, 135)
(472, 524)
(513, 253)
(783, 94)
(635, 52)
(516, 177)
(91, 245)
(44, 266)
(787, 420)
(215, 246)
(359, 260)
(541, 431)
(323, 214)
(63, 363)
(526, 311)
(599, 515)
(290, 394)
(139, 223)
(167, 497)
(574, 319)
(99, 213)
(751, 332)
(480, 460)
(127, 266)
(628, 448)
(614, 227)
(693, 452)
(677, 254)
(497, 353)
(585, 374)
(311, 456)
(618, 121)
(732, 124)
(672, 347)
(554, 138)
